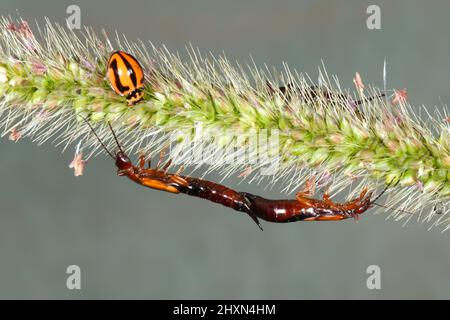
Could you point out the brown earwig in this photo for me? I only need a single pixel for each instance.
(175, 183)
(306, 208)
(303, 208)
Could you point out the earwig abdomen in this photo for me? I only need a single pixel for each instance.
(292, 210)
(275, 210)
(214, 192)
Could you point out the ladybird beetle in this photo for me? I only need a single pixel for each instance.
(126, 76)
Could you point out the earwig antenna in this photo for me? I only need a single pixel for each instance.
(115, 137)
(98, 138)
(387, 187)
(395, 209)
(382, 192)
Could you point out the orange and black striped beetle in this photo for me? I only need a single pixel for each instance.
(126, 76)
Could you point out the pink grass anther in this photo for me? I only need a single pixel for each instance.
(78, 162)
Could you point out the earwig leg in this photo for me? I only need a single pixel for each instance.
(327, 199)
(362, 194)
(180, 169)
(141, 161)
(161, 157)
(359, 198)
(357, 201)
(175, 178)
(304, 195)
(166, 166)
(159, 161)
(330, 203)
(309, 190)
(179, 180)
(345, 206)
(305, 201)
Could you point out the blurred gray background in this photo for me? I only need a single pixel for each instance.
(131, 242)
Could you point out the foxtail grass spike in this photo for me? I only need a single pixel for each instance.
(210, 111)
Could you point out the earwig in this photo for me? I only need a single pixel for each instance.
(306, 208)
(303, 208)
(175, 183)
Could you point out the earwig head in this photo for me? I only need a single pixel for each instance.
(367, 202)
(123, 163)
(364, 204)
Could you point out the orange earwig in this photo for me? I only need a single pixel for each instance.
(174, 183)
